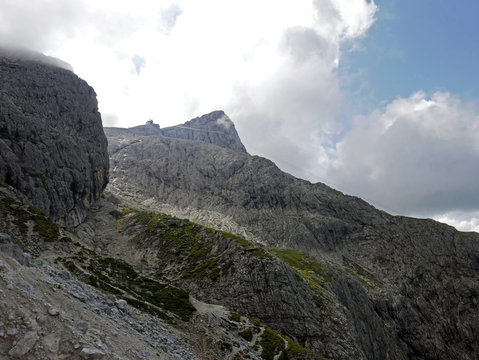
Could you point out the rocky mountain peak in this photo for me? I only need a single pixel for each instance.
(215, 128)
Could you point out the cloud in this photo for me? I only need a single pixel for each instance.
(224, 121)
(345, 19)
(16, 53)
(139, 63)
(38, 25)
(462, 220)
(109, 120)
(168, 18)
(292, 114)
(288, 118)
(273, 67)
(417, 156)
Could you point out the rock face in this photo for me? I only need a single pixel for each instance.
(213, 128)
(52, 146)
(408, 288)
(237, 192)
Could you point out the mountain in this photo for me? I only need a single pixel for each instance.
(401, 284)
(213, 128)
(46, 111)
(198, 250)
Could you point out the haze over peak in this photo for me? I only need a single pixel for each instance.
(22, 54)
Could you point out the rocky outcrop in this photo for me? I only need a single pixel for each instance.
(214, 128)
(52, 146)
(406, 287)
(237, 192)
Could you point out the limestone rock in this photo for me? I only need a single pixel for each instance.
(235, 191)
(24, 345)
(91, 353)
(52, 342)
(52, 147)
(121, 304)
(214, 128)
(4, 238)
(54, 312)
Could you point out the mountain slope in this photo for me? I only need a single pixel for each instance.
(414, 282)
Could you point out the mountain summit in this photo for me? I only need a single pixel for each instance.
(214, 128)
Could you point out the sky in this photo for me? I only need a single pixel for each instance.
(378, 99)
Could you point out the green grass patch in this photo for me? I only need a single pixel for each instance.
(117, 276)
(307, 268)
(300, 260)
(239, 240)
(294, 351)
(250, 248)
(255, 322)
(271, 344)
(23, 214)
(235, 317)
(247, 334)
(366, 278)
(184, 243)
(45, 227)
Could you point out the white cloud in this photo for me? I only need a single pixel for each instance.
(139, 62)
(418, 156)
(196, 54)
(464, 221)
(38, 25)
(168, 18)
(291, 115)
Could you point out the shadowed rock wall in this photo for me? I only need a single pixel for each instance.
(52, 145)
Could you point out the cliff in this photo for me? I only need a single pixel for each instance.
(52, 145)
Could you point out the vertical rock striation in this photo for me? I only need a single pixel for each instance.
(52, 145)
